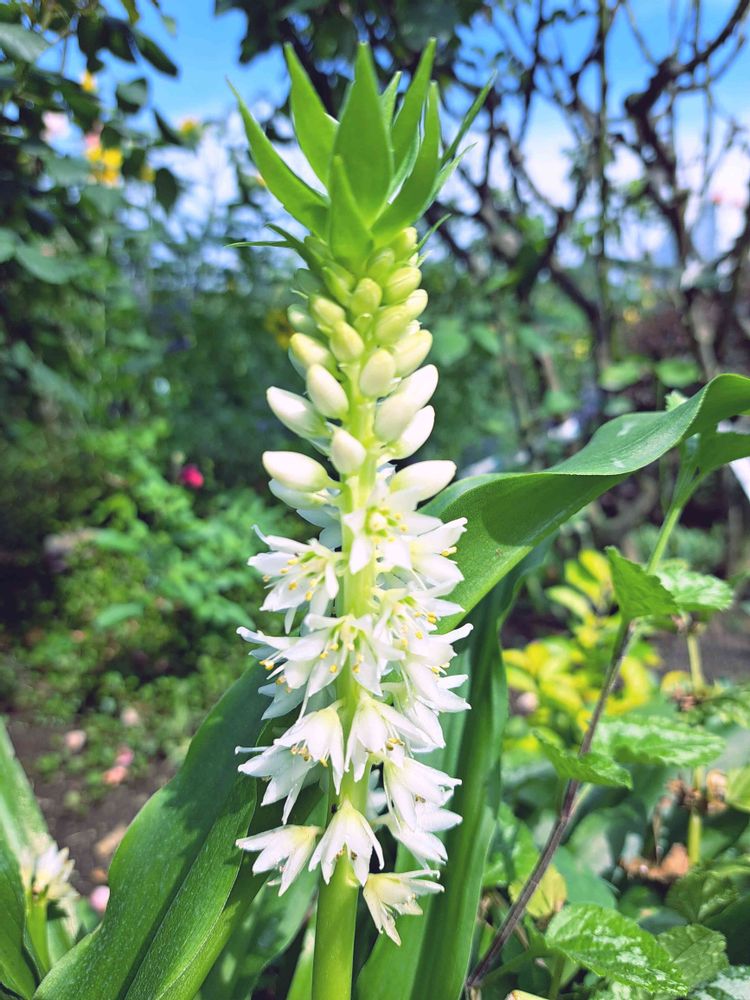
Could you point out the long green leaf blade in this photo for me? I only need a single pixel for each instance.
(349, 237)
(314, 127)
(406, 125)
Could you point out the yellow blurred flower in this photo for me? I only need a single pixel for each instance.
(631, 315)
(190, 128)
(106, 163)
(88, 82)
(277, 323)
(147, 174)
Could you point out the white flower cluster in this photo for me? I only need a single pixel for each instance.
(362, 657)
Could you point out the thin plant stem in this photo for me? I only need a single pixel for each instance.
(620, 648)
(695, 821)
(558, 967)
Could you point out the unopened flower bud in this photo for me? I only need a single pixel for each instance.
(326, 392)
(397, 412)
(410, 352)
(325, 312)
(296, 498)
(295, 412)
(402, 283)
(363, 323)
(347, 453)
(301, 320)
(339, 282)
(405, 243)
(425, 478)
(391, 323)
(346, 343)
(381, 264)
(377, 374)
(415, 434)
(416, 304)
(366, 297)
(295, 471)
(307, 351)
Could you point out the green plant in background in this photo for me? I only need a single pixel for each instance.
(188, 916)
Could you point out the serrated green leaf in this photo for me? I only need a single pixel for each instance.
(698, 953)
(639, 594)
(549, 896)
(362, 141)
(695, 592)
(701, 894)
(21, 44)
(414, 197)
(593, 767)
(730, 984)
(405, 131)
(659, 740)
(349, 238)
(298, 198)
(314, 127)
(737, 794)
(614, 946)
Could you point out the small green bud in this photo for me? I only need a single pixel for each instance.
(325, 312)
(366, 297)
(410, 352)
(377, 374)
(402, 283)
(416, 304)
(306, 282)
(346, 343)
(405, 243)
(326, 392)
(391, 323)
(381, 264)
(307, 351)
(301, 320)
(339, 282)
(363, 323)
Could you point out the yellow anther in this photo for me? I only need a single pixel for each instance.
(334, 668)
(334, 646)
(283, 571)
(293, 585)
(355, 669)
(419, 635)
(266, 579)
(309, 595)
(449, 551)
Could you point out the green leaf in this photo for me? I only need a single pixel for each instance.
(614, 946)
(701, 894)
(717, 448)
(593, 767)
(21, 44)
(677, 373)
(117, 613)
(415, 195)
(7, 245)
(388, 99)
(730, 984)
(14, 970)
(173, 873)
(583, 885)
(314, 128)
(695, 592)
(298, 198)
(468, 120)
(659, 740)
(405, 131)
(166, 187)
(46, 268)
(639, 594)
(154, 54)
(548, 897)
(349, 237)
(362, 141)
(622, 374)
(698, 952)
(737, 794)
(132, 96)
(509, 513)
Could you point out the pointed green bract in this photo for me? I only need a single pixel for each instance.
(388, 98)
(406, 126)
(314, 128)
(362, 141)
(298, 198)
(468, 120)
(349, 237)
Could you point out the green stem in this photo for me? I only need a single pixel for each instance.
(696, 664)
(36, 924)
(337, 900)
(558, 967)
(695, 822)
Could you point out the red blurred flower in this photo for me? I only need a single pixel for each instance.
(191, 476)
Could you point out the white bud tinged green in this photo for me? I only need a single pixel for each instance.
(346, 343)
(425, 478)
(391, 323)
(405, 243)
(378, 373)
(381, 264)
(325, 312)
(295, 471)
(295, 412)
(301, 320)
(347, 453)
(363, 323)
(416, 304)
(339, 282)
(397, 412)
(402, 283)
(415, 434)
(410, 352)
(308, 351)
(366, 297)
(326, 392)
(296, 498)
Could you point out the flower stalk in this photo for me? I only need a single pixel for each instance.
(361, 669)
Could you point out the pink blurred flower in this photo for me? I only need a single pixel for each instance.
(99, 898)
(75, 740)
(191, 475)
(115, 775)
(124, 757)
